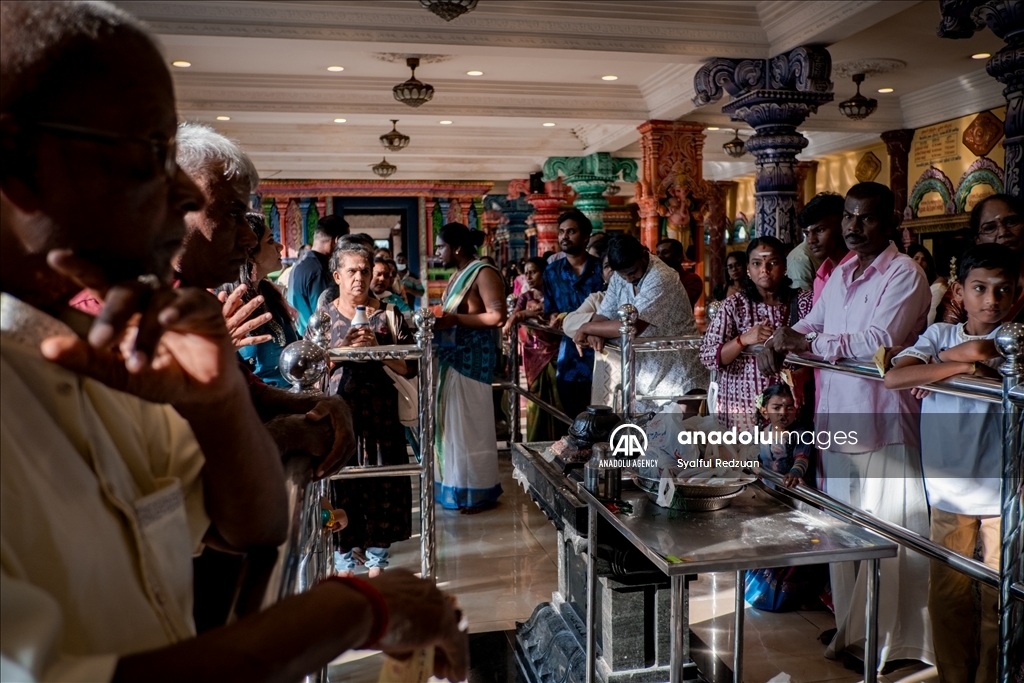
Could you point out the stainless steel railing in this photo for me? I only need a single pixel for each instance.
(1009, 392)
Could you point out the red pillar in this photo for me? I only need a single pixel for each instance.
(671, 166)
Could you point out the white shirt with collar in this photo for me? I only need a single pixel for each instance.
(101, 511)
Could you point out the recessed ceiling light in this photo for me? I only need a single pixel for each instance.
(335, 68)
(223, 118)
(181, 63)
(340, 120)
(981, 55)
(885, 90)
(712, 127)
(445, 123)
(474, 73)
(548, 124)
(609, 78)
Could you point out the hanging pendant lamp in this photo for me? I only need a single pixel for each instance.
(413, 92)
(384, 169)
(735, 147)
(449, 9)
(394, 141)
(858, 107)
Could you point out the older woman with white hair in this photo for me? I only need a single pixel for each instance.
(379, 510)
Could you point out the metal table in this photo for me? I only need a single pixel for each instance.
(761, 528)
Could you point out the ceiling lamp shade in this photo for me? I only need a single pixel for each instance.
(858, 107)
(384, 169)
(735, 147)
(449, 9)
(394, 141)
(413, 92)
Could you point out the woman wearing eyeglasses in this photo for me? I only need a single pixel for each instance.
(997, 219)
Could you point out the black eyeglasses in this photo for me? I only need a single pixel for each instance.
(162, 149)
(1005, 223)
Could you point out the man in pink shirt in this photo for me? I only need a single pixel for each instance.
(877, 297)
(822, 224)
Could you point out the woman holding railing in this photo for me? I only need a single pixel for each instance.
(379, 510)
(747, 318)
(539, 351)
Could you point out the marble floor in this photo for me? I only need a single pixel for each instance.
(501, 563)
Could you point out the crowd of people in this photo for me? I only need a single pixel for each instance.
(145, 416)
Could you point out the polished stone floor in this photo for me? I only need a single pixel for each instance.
(501, 563)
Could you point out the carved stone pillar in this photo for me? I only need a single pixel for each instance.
(897, 145)
(773, 96)
(672, 158)
(547, 207)
(511, 231)
(489, 222)
(806, 175)
(960, 19)
(590, 176)
(717, 224)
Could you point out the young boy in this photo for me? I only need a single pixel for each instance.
(961, 451)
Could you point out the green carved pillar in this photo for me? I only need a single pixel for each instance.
(590, 177)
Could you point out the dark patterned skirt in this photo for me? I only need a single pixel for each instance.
(380, 509)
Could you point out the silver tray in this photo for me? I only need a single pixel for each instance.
(690, 490)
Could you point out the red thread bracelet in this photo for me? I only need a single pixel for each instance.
(377, 604)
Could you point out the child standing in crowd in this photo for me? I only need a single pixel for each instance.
(776, 412)
(961, 451)
(780, 589)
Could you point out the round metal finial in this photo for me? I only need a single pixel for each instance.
(711, 310)
(424, 318)
(510, 303)
(628, 313)
(318, 330)
(303, 364)
(1010, 343)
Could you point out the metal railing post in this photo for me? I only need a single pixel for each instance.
(514, 434)
(627, 330)
(424, 336)
(1010, 342)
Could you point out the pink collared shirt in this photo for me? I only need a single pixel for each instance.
(824, 272)
(886, 306)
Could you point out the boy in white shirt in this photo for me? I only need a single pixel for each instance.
(961, 451)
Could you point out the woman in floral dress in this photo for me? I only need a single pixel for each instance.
(747, 318)
(379, 510)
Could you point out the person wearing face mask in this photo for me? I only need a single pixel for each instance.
(410, 282)
(748, 318)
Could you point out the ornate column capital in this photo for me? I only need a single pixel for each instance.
(547, 207)
(589, 177)
(1005, 18)
(773, 96)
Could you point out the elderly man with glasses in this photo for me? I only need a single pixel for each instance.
(121, 454)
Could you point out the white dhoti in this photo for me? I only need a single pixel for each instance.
(887, 483)
(466, 451)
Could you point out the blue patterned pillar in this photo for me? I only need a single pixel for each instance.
(513, 229)
(773, 96)
(304, 204)
(589, 177)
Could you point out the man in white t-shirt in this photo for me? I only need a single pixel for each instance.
(961, 453)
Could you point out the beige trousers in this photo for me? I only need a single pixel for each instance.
(966, 646)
